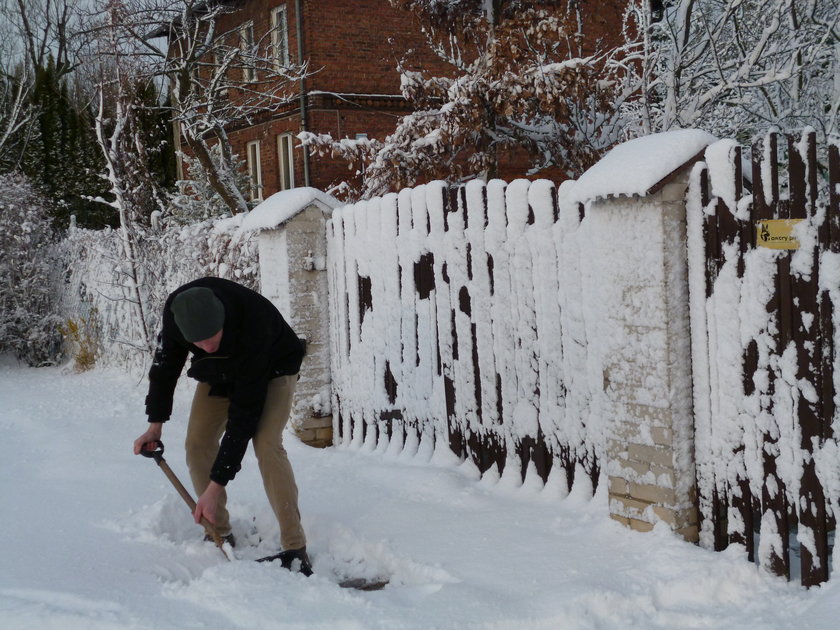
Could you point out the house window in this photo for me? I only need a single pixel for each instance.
(246, 45)
(219, 74)
(254, 170)
(280, 35)
(285, 161)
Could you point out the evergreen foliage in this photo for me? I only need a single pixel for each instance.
(61, 157)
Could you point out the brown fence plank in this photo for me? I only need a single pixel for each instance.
(729, 230)
(805, 335)
(774, 503)
(763, 207)
(711, 241)
(710, 235)
(741, 497)
(830, 241)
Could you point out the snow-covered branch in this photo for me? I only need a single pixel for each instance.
(218, 76)
(734, 67)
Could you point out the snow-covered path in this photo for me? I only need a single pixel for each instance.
(96, 538)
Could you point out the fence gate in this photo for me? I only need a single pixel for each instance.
(764, 261)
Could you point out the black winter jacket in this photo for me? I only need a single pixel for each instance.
(257, 345)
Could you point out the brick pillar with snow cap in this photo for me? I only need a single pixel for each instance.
(635, 204)
(292, 240)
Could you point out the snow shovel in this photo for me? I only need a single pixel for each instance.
(156, 453)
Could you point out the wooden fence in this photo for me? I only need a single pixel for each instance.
(765, 400)
(456, 316)
(465, 318)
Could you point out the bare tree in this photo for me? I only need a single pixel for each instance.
(735, 67)
(218, 77)
(44, 29)
(15, 111)
(121, 139)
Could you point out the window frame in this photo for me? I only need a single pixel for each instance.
(254, 163)
(285, 161)
(280, 51)
(246, 46)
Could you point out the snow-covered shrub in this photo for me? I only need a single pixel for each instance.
(81, 335)
(28, 323)
(168, 256)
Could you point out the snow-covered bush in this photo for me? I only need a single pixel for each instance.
(168, 256)
(28, 323)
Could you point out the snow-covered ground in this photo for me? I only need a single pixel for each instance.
(96, 538)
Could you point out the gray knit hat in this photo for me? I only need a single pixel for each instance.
(198, 313)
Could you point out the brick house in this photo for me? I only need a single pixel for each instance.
(354, 45)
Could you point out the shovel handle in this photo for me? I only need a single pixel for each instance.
(156, 453)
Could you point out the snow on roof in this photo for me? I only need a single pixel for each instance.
(636, 166)
(282, 206)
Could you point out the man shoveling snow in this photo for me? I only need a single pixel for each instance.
(246, 359)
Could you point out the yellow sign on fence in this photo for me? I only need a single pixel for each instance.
(776, 234)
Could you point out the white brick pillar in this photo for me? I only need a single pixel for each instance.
(637, 276)
(641, 278)
(292, 250)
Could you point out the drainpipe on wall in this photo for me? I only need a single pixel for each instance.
(304, 123)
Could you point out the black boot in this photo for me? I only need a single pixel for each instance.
(288, 557)
(287, 560)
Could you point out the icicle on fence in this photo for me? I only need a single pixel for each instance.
(768, 461)
(456, 320)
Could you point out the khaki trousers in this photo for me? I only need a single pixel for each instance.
(208, 418)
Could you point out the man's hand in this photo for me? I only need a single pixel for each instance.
(208, 502)
(152, 434)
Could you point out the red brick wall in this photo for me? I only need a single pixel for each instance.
(350, 39)
(327, 171)
(348, 43)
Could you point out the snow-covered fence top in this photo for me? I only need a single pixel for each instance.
(638, 167)
(458, 317)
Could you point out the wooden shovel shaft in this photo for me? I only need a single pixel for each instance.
(208, 526)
